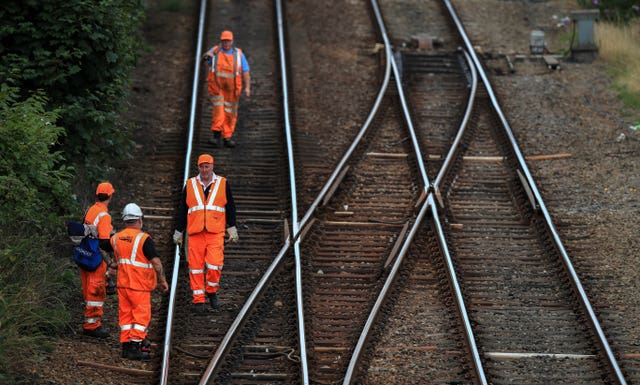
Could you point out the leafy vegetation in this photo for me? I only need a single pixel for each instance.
(34, 191)
(64, 69)
(80, 53)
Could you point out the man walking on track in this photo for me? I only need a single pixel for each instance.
(94, 290)
(139, 267)
(206, 210)
(228, 72)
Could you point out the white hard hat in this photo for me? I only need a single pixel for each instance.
(131, 212)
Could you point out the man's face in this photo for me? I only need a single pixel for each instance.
(226, 44)
(206, 170)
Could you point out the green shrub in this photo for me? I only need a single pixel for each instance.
(34, 194)
(80, 52)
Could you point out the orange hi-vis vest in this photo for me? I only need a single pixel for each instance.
(227, 66)
(134, 269)
(93, 216)
(209, 214)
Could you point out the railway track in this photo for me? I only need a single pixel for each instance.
(398, 270)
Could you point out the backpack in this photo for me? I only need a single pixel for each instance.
(86, 253)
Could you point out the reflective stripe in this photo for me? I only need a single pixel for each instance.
(134, 251)
(238, 63)
(228, 76)
(91, 320)
(196, 271)
(213, 284)
(100, 215)
(198, 292)
(230, 104)
(214, 267)
(231, 110)
(212, 195)
(200, 204)
(134, 326)
(218, 103)
(139, 327)
(94, 303)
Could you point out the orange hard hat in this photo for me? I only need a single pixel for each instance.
(205, 158)
(105, 188)
(226, 35)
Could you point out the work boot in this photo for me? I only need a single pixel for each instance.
(125, 349)
(99, 332)
(216, 139)
(213, 300)
(134, 352)
(111, 287)
(145, 346)
(228, 142)
(198, 308)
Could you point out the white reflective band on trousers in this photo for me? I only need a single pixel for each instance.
(134, 326)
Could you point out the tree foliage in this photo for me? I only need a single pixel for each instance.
(34, 192)
(80, 52)
(34, 184)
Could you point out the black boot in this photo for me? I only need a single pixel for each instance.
(213, 300)
(216, 139)
(228, 142)
(100, 332)
(125, 349)
(134, 352)
(198, 308)
(111, 287)
(145, 346)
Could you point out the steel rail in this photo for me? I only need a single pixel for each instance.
(297, 236)
(463, 126)
(428, 203)
(295, 225)
(575, 280)
(250, 303)
(176, 258)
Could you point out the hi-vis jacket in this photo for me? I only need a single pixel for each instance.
(134, 269)
(206, 212)
(98, 215)
(224, 67)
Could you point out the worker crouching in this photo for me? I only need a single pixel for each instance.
(139, 267)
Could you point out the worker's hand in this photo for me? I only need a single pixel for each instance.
(177, 237)
(247, 92)
(163, 286)
(208, 57)
(233, 234)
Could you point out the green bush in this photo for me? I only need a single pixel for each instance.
(80, 52)
(34, 194)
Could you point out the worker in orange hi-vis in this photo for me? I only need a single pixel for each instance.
(94, 288)
(206, 211)
(139, 273)
(228, 72)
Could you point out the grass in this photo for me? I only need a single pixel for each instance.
(620, 48)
